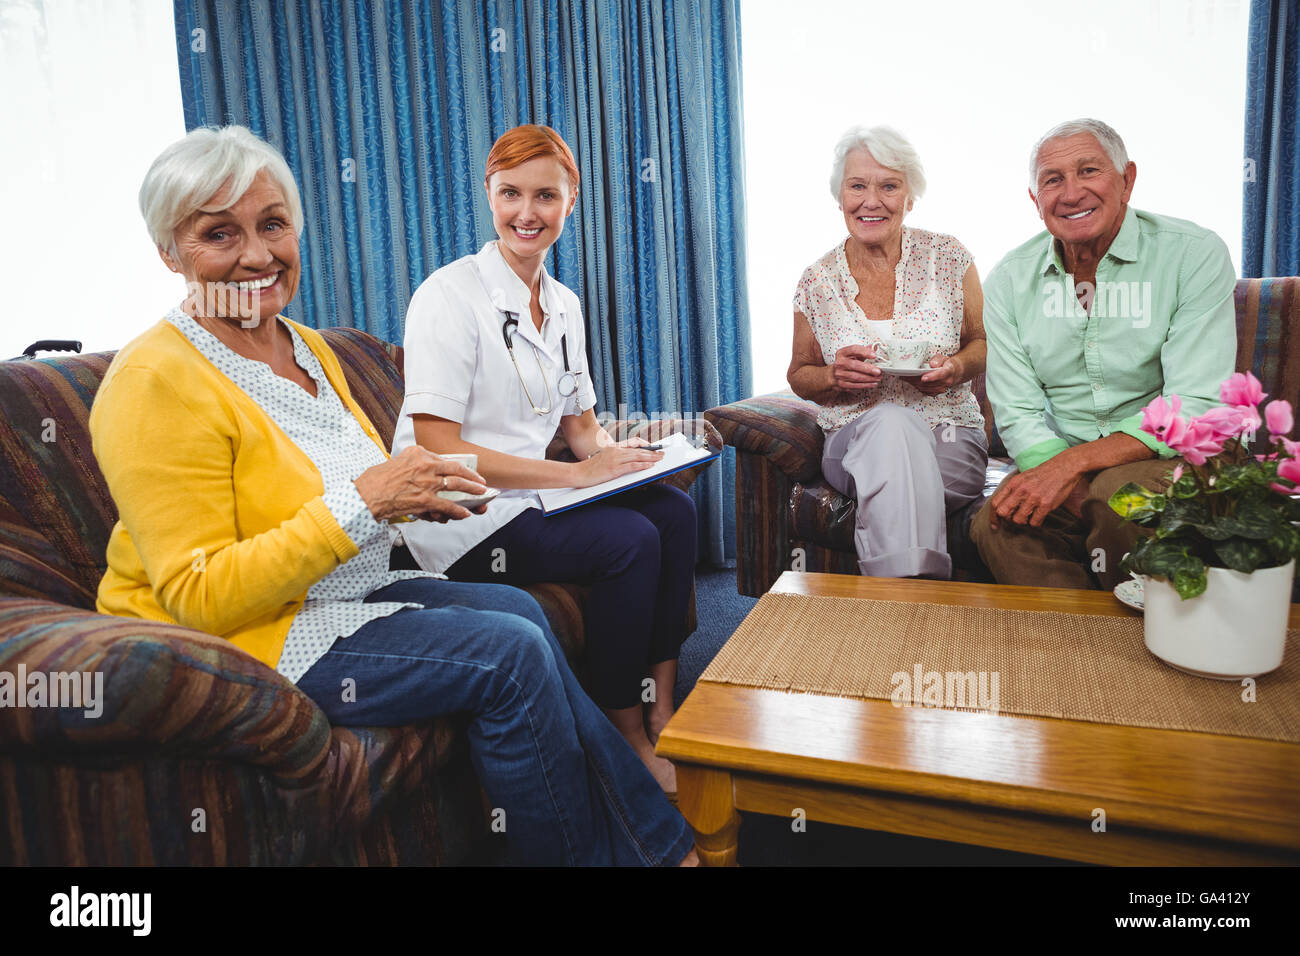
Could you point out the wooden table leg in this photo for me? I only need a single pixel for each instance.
(707, 801)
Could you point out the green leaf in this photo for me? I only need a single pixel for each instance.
(1242, 554)
(1170, 559)
(1284, 544)
(1235, 477)
(1190, 579)
(1179, 512)
(1184, 487)
(1162, 556)
(1134, 503)
(1261, 515)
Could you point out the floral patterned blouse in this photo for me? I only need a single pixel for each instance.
(928, 304)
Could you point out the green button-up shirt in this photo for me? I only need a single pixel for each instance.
(1161, 322)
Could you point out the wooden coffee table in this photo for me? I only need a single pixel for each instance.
(1016, 783)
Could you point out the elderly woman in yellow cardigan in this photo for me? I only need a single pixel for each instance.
(255, 500)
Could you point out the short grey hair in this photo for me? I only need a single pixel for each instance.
(189, 172)
(1109, 139)
(888, 147)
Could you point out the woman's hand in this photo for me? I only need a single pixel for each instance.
(409, 482)
(945, 372)
(853, 369)
(614, 461)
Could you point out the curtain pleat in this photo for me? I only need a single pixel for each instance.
(1271, 188)
(385, 110)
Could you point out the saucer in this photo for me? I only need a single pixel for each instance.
(905, 372)
(1130, 592)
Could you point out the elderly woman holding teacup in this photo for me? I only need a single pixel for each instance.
(255, 498)
(887, 336)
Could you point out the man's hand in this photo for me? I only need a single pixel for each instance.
(1028, 497)
(945, 372)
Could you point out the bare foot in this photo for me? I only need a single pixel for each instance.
(690, 859)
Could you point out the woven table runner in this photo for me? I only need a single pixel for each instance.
(1034, 663)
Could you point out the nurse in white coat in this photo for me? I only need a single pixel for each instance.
(495, 363)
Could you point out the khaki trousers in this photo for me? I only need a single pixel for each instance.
(1070, 552)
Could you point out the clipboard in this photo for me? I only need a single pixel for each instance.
(680, 454)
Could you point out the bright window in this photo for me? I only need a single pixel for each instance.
(89, 95)
(973, 86)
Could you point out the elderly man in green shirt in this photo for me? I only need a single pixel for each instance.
(1086, 323)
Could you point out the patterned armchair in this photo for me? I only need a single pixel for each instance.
(201, 754)
(787, 516)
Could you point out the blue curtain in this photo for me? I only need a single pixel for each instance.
(386, 109)
(1271, 192)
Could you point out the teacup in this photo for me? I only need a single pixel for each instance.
(904, 353)
(470, 462)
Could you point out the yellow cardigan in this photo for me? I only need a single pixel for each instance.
(222, 525)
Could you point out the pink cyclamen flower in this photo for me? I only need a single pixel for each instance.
(1279, 417)
(1288, 470)
(1161, 419)
(1250, 421)
(1226, 421)
(1242, 388)
(1198, 443)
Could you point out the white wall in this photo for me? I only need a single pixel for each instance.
(89, 95)
(973, 85)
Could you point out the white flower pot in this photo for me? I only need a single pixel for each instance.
(1236, 629)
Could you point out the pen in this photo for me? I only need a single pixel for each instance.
(637, 447)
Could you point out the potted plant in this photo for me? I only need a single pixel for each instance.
(1218, 568)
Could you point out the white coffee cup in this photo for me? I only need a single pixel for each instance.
(904, 353)
(470, 462)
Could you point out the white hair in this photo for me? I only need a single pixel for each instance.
(191, 171)
(888, 147)
(1109, 139)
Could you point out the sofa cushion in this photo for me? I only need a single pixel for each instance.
(55, 509)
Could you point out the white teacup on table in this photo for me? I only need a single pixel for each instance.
(904, 356)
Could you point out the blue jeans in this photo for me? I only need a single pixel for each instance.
(572, 790)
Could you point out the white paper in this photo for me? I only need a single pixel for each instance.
(678, 452)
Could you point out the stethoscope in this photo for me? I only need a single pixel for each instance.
(566, 386)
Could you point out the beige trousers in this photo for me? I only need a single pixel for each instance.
(1070, 552)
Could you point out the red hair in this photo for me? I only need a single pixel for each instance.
(519, 145)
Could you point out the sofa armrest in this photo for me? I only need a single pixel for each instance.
(152, 687)
(779, 426)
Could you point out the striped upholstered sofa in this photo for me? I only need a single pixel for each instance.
(201, 754)
(788, 516)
